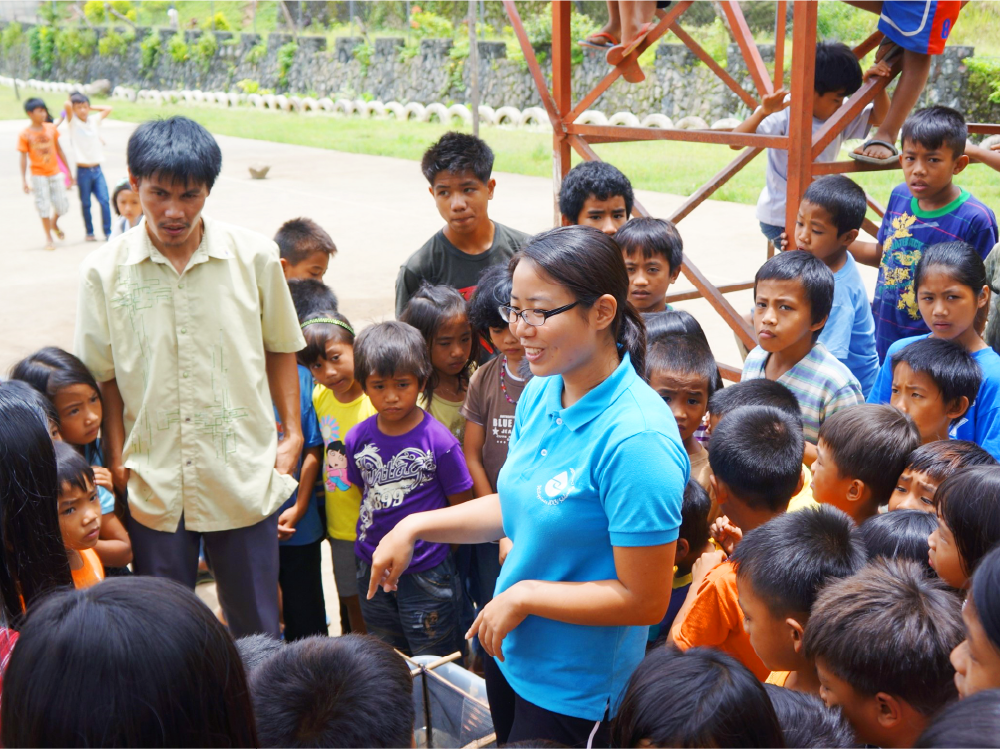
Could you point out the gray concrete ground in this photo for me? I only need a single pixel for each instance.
(377, 210)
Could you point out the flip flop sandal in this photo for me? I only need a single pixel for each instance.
(50, 247)
(872, 159)
(60, 234)
(590, 41)
(620, 51)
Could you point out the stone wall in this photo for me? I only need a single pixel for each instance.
(676, 85)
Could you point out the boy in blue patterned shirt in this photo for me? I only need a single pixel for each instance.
(927, 209)
(793, 295)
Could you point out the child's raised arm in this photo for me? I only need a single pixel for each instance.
(770, 104)
(988, 156)
(103, 110)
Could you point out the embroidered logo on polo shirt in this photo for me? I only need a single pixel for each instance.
(557, 488)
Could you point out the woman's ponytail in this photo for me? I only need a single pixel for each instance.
(631, 338)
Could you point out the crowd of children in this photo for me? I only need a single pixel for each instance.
(797, 580)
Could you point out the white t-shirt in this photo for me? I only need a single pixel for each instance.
(86, 139)
(773, 198)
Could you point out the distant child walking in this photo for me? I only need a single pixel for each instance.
(39, 143)
(88, 150)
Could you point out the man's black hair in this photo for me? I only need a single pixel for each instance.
(936, 127)
(900, 534)
(807, 722)
(652, 237)
(842, 198)
(320, 692)
(457, 153)
(789, 558)
(947, 363)
(597, 178)
(759, 392)
(492, 290)
(34, 103)
(695, 509)
(683, 354)
(178, 148)
(756, 451)
(808, 270)
(837, 69)
(310, 297)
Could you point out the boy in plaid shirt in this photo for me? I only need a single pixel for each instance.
(793, 295)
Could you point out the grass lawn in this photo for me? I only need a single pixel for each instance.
(677, 168)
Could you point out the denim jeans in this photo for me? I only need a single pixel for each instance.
(772, 232)
(422, 617)
(90, 179)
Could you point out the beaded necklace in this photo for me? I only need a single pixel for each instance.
(503, 383)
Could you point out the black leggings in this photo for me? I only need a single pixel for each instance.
(301, 578)
(517, 720)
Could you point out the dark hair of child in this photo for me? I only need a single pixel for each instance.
(974, 721)
(969, 504)
(808, 270)
(183, 687)
(947, 363)
(872, 443)
(959, 259)
(985, 595)
(597, 178)
(299, 238)
(492, 290)
(934, 127)
(51, 369)
(33, 558)
(430, 308)
(756, 451)
(34, 103)
(901, 534)
(458, 153)
(788, 559)
(942, 458)
(695, 508)
(72, 468)
(318, 334)
(837, 69)
(311, 297)
(391, 348)
(255, 649)
(842, 198)
(652, 237)
(759, 392)
(119, 189)
(684, 355)
(721, 703)
(176, 148)
(808, 723)
(24, 391)
(672, 322)
(889, 628)
(78, 97)
(317, 692)
(589, 264)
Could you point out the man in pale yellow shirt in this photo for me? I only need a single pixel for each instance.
(189, 328)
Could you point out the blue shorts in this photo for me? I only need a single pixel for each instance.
(772, 232)
(920, 26)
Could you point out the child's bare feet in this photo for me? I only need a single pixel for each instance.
(91, 238)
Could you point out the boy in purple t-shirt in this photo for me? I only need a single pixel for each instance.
(405, 462)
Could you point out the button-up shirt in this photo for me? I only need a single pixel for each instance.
(188, 353)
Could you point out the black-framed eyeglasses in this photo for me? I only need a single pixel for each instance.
(532, 317)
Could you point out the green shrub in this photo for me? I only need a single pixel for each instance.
(150, 49)
(983, 98)
(427, 25)
(257, 53)
(363, 54)
(248, 86)
(204, 49)
(75, 43)
(95, 12)
(115, 44)
(221, 23)
(12, 36)
(286, 56)
(178, 49)
(539, 30)
(41, 48)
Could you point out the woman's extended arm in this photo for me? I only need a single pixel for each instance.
(473, 522)
(639, 596)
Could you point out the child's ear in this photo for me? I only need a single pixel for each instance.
(490, 187)
(802, 481)
(565, 220)
(957, 408)
(683, 548)
(674, 275)
(430, 190)
(890, 711)
(285, 265)
(797, 632)
(718, 488)
(818, 325)
(960, 163)
(848, 237)
(857, 491)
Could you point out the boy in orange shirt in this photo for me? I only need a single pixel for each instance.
(39, 143)
(79, 515)
(756, 460)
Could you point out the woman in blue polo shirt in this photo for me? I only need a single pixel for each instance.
(590, 495)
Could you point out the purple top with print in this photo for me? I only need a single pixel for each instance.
(401, 475)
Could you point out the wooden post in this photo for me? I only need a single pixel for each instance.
(562, 65)
(800, 111)
(473, 62)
